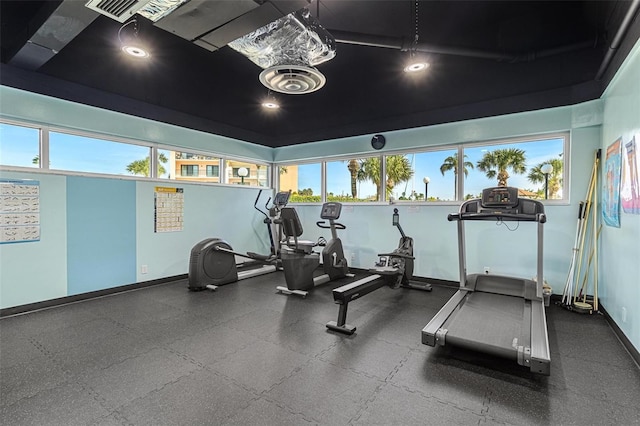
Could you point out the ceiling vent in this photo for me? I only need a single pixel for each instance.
(121, 10)
(288, 49)
(292, 80)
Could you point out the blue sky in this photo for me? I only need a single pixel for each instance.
(19, 145)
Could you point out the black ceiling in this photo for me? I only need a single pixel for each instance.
(496, 57)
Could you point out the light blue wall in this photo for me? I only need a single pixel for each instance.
(37, 271)
(222, 212)
(620, 247)
(506, 126)
(101, 233)
(38, 109)
(505, 252)
(61, 263)
(97, 233)
(226, 211)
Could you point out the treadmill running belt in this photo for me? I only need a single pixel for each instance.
(489, 322)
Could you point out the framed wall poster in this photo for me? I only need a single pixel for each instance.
(168, 209)
(611, 190)
(630, 185)
(19, 211)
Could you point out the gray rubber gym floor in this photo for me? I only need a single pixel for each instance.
(246, 355)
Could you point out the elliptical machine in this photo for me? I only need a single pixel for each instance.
(393, 269)
(213, 262)
(298, 258)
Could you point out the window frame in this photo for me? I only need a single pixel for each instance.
(460, 149)
(323, 172)
(566, 156)
(105, 138)
(272, 171)
(252, 162)
(154, 148)
(43, 145)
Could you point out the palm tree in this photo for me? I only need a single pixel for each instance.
(555, 177)
(398, 170)
(36, 160)
(370, 170)
(142, 167)
(495, 164)
(451, 163)
(354, 167)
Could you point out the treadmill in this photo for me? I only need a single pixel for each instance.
(499, 315)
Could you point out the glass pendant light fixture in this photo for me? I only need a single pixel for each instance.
(130, 42)
(416, 62)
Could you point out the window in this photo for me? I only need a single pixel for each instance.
(86, 154)
(256, 174)
(166, 163)
(188, 170)
(303, 180)
(440, 174)
(213, 171)
(19, 146)
(432, 174)
(188, 166)
(355, 179)
(518, 164)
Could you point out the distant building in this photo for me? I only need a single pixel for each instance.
(289, 178)
(202, 168)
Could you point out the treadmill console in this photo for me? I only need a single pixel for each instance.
(331, 211)
(502, 203)
(501, 197)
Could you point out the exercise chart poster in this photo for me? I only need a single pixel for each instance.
(611, 193)
(19, 211)
(168, 209)
(630, 191)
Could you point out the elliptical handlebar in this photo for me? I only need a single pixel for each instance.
(255, 205)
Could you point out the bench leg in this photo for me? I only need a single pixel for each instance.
(341, 326)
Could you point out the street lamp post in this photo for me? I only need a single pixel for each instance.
(426, 181)
(546, 169)
(243, 172)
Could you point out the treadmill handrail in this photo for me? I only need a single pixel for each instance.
(520, 217)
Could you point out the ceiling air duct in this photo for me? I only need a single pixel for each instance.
(289, 49)
(122, 10)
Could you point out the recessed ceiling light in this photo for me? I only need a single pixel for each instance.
(270, 104)
(416, 67)
(135, 51)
